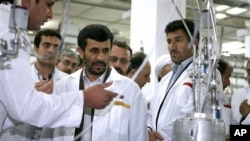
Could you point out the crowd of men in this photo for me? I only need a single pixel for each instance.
(94, 93)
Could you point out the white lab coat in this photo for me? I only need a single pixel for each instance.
(177, 103)
(226, 113)
(26, 131)
(238, 97)
(19, 100)
(118, 123)
(51, 134)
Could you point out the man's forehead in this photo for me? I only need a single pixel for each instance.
(117, 49)
(176, 33)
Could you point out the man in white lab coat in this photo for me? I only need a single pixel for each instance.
(226, 113)
(173, 97)
(124, 119)
(240, 102)
(120, 56)
(19, 100)
(47, 46)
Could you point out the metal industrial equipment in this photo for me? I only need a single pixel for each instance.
(204, 124)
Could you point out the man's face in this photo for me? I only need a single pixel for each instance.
(39, 13)
(67, 64)
(119, 59)
(248, 73)
(96, 56)
(178, 46)
(48, 47)
(144, 76)
(225, 77)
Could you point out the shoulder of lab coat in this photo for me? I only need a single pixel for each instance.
(68, 83)
(58, 75)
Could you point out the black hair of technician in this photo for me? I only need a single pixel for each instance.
(136, 60)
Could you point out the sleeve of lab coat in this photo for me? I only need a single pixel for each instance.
(23, 103)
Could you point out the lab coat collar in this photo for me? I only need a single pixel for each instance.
(114, 75)
(182, 65)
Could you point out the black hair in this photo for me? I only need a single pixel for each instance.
(222, 66)
(178, 24)
(96, 32)
(136, 60)
(45, 32)
(68, 53)
(123, 45)
(12, 1)
(7, 1)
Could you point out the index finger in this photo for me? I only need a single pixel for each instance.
(38, 84)
(112, 94)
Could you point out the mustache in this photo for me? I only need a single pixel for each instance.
(174, 51)
(98, 63)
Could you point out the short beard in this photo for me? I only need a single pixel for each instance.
(90, 70)
(119, 70)
(96, 73)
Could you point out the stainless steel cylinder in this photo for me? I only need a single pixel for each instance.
(198, 128)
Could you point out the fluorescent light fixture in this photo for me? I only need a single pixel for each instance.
(236, 11)
(221, 7)
(30, 32)
(237, 51)
(232, 46)
(220, 16)
(52, 24)
(225, 54)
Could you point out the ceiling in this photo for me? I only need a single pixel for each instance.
(116, 15)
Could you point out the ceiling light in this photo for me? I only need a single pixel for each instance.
(30, 32)
(220, 16)
(232, 46)
(237, 51)
(236, 11)
(221, 7)
(53, 24)
(225, 54)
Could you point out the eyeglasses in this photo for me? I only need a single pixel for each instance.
(68, 63)
(114, 59)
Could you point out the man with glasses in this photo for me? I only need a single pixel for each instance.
(120, 57)
(68, 61)
(241, 102)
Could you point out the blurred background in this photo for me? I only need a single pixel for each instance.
(232, 26)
